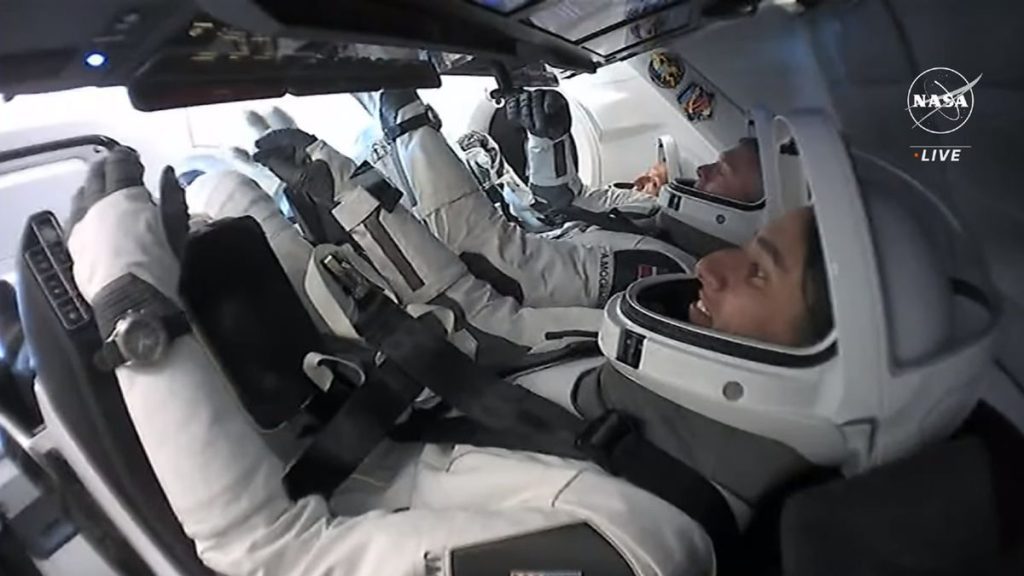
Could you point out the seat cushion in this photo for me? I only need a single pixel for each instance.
(937, 512)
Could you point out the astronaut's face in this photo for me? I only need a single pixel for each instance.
(756, 290)
(736, 175)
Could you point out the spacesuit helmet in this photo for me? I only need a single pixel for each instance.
(727, 217)
(912, 320)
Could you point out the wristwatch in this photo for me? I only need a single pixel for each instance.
(140, 338)
(139, 323)
(427, 118)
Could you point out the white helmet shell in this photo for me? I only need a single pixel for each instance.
(912, 332)
(731, 220)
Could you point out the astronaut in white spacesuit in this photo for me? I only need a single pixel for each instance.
(449, 200)
(743, 406)
(611, 227)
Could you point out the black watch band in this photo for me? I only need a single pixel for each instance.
(426, 118)
(126, 296)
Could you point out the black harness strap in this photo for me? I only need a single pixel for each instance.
(356, 430)
(502, 414)
(414, 354)
(613, 220)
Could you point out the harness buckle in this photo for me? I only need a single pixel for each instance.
(602, 436)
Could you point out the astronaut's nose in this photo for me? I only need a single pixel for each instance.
(709, 274)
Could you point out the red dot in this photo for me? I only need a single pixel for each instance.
(917, 154)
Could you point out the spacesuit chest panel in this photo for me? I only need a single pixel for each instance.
(747, 465)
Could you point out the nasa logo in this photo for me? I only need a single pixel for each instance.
(940, 100)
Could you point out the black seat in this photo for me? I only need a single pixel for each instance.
(17, 400)
(63, 338)
(954, 508)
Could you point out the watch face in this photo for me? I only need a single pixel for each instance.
(142, 339)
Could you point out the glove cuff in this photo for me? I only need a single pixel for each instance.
(550, 162)
(122, 234)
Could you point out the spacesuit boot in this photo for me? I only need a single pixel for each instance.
(464, 511)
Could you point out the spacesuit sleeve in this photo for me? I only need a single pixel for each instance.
(452, 206)
(604, 198)
(552, 171)
(221, 480)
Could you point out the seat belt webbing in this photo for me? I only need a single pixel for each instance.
(500, 409)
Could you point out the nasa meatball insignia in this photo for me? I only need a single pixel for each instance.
(940, 100)
(664, 70)
(698, 102)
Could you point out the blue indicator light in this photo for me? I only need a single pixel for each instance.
(95, 59)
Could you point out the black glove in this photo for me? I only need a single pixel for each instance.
(309, 184)
(544, 113)
(284, 153)
(119, 169)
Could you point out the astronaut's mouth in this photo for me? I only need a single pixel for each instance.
(699, 313)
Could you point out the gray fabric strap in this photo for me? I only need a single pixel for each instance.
(394, 253)
(747, 465)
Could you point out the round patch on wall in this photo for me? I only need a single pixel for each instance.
(664, 70)
(698, 102)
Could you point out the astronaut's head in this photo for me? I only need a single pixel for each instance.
(852, 332)
(772, 289)
(736, 175)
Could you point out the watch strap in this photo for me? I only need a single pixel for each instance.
(125, 294)
(109, 356)
(426, 118)
(129, 293)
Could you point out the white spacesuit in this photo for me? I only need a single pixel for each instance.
(484, 158)
(448, 199)
(898, 369)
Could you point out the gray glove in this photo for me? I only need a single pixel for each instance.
(543, 113)
(120, 169)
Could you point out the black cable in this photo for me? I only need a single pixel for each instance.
(1009, 376)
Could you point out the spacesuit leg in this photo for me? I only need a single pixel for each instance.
(454, 208)
(417, 268)
(225, 487)
(420, 269)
